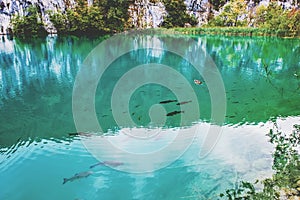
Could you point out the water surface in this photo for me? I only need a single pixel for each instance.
(261, 78)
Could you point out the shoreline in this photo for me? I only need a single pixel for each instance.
(234, 31)
(222, 31)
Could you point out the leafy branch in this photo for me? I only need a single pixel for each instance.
(285, 183)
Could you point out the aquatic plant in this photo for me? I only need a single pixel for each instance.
(234, 31)
(285, 182)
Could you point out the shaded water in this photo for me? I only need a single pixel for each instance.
(261, 78)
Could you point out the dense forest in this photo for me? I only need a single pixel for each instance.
(112, 16)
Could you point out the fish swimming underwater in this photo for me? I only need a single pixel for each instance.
(175, 113)
(80, 134)
(183, 102)
(109, 163)
(167, 101)
(77, 176)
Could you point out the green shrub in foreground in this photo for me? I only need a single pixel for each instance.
(285, 183)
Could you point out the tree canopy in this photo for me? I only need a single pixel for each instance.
(233, 14)
(111, 16)
(30, 25)
(104, 16)
(177, 14)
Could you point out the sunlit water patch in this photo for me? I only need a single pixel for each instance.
(44, 164)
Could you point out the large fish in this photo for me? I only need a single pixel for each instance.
(77, 176)
(167, 101)
(183, 102)
(80, 134)
(175, 113)
(109, 163)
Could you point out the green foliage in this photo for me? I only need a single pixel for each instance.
(102, 17)
(111, 16)
(285, 182)
(83, 19)
(115, 13)
(277, 19)
(272, 20)
(217, 4)
(242, 191)
(29, 26)
(233, 14)
(242, 31)
(177, 14)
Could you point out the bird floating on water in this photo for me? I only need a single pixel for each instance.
(197, 82)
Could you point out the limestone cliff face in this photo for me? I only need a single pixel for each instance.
(143, 13)
(150, 14)
(146, 14)
(8, 8)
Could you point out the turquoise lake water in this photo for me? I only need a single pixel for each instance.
(261, 78)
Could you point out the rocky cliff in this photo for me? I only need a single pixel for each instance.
(8, 8)
(143, 13)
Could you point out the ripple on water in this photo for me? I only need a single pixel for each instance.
(242, 152)
(23, 151)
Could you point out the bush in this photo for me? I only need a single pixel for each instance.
(115, 13)
(233, 14)
(285, 183)
(177, 14)
(281, 21)
(100, 18)
(79, 21)
(30, 25)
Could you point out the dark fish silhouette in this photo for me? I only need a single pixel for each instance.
(80, 134)
(231, 116)
(109, 163)
(184, 102)
(175, 113)
(73, 134)
(167, 101)
(77, 176)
